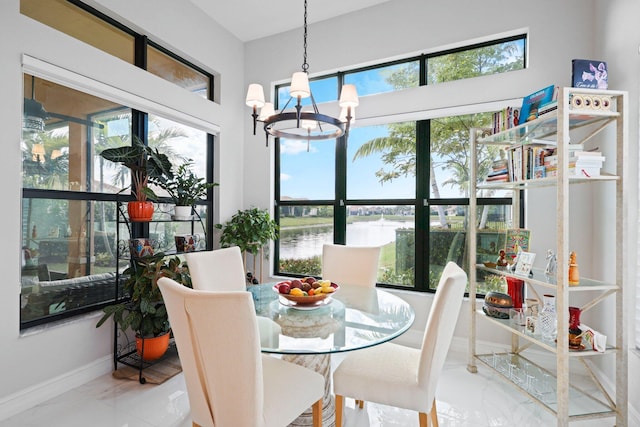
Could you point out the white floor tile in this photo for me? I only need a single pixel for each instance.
(463, 400)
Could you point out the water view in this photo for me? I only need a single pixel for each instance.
(306, 242)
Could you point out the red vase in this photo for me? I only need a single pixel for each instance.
(515, 289)
(574, 317)
(140, 211)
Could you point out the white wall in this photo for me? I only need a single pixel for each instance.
(44, 362)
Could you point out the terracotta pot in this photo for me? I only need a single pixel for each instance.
(140, 211)
(154, 348)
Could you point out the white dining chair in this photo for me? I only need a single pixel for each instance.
(405, 377)
(229, 382)
(223, 270)
(218, 270)
(351, 265)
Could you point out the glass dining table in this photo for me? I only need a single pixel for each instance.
(353, 318)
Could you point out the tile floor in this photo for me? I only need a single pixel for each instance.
(463, 399)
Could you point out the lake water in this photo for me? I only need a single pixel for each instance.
(307, 242)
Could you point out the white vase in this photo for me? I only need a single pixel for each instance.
(547, 319)
(182, 212)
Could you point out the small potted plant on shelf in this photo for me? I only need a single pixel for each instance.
(250, 230)
(185, 189)
(147, 165)
(144, 311)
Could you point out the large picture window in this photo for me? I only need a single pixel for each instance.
(70, 194)
(400, 185)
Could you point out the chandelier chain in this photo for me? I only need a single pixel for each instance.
(305, 66)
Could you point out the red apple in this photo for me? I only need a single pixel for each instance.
(284, 288)
(296, 283)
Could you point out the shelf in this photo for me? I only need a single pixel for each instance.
(551, 181)
(541, 279)
(547, 125)
(565, 129)
(539, 384)
(551, 346)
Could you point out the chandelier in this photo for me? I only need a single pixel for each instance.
(298, 123)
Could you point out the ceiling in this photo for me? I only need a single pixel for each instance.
(254, 19)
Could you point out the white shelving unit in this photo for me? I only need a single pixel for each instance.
(562, 398)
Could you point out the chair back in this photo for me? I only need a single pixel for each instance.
(174, 296)
(351, 265)
(440, 327)
(229, 370)
(219, 270)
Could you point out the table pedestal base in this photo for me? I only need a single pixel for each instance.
(320, 363)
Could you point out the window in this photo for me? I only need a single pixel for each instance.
(84, 23)
(69, 228)
(400, 185)
(478, 60)
(386, 78)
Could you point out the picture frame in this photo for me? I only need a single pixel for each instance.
(517, 239)
(524, 264)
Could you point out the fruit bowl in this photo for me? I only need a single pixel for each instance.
(303, 299)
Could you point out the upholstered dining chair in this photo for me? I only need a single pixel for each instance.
(229, 382)
(404, 377)
(351, 265)
(223, 270)
(218, 270)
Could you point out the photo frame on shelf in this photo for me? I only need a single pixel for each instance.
(517, 239)
(525, 264)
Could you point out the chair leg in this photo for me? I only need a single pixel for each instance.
(339, 409)
(434, 414)
(317, 413)
(424, 419)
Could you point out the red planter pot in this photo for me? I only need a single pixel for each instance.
(140, 211)
(154, 348)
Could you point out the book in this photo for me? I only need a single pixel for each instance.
(589, 74)
(517, 240)
(532, 103)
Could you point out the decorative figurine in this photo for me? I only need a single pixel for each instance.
(502, 260)
(552, 263)
(574, 274)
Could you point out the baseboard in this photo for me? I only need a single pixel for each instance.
(28, 398)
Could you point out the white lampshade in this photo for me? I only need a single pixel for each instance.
(255, 96)
(267, 111)
(343, 114)
(349, 96)
(300, 85)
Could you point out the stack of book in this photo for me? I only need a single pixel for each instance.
(585, 163)
(499, 172)
(581, 163)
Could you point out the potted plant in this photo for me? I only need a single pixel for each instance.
(144, 311)
(185, 189)
(147, 165)
(250, 230)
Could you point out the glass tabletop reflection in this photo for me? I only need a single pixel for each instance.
(351, 319)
